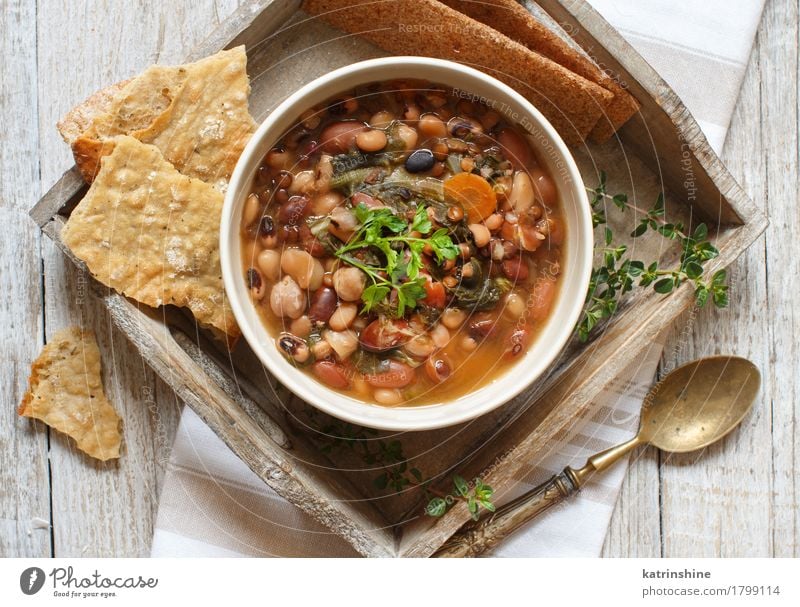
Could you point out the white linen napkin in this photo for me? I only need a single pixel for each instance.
(212, 504)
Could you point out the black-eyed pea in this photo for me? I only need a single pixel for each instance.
(294, 347)
(480, 234)
(256, 284)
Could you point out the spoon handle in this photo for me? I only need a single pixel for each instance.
(477, 537)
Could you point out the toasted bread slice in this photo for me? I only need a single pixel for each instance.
(510, 18)
(572, 103)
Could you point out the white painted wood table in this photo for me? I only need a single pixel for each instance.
(738, 498)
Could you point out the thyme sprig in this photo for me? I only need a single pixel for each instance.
(397, 475)
(618, 273)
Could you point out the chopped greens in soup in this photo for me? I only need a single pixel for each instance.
(403, 245)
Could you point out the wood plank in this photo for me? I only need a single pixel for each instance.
(107, 509)
(778, 65)
(617, 335)
(24, 482)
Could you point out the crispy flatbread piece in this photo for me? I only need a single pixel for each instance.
(152, 234)
(66, 393)
(512, 19)
(570, 102)
(196, 114)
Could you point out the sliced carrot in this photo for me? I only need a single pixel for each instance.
(473, 193)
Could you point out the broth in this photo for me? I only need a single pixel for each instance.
(402, 244)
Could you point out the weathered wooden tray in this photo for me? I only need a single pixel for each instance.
(294, 449)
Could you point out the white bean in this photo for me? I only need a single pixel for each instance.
(287, 299)
(408, 136)
(325, 203)
(514, 306)
(452, 318)
(301, 326)
(303, 182)
(386, 396)
(343, 316)
(344, 343)
(269, 262)
(521, 197)
(349, 283)
(301, 266)
(252, 209)
(440, 335)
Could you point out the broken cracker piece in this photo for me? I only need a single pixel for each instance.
(65, 392)
(196, 114)
(152, 234)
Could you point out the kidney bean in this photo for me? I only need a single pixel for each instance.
(323, 304)
(545, 188)
(515, 148)
(382, 335)
(481, 326)
(438, 368)
(331, 373)
(294, 210)
(515, 269)
(339, 137)
(397, 375)
(544, 291)
(365, 199)
(310, 243)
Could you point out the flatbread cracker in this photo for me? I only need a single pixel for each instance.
(152, 234)
(512, 19)
(196, 114)
(66, 393)
(428, 28)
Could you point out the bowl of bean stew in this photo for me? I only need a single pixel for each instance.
(406, 243)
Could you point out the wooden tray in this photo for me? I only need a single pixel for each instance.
(292, 447)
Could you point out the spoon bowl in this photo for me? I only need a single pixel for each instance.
(699, 403)
(692, 407)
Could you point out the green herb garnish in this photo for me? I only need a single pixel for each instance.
(383, 231)
(618, 273)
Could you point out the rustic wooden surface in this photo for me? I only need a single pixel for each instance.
(666, 507)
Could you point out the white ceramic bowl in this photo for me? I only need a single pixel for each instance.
(577, 264)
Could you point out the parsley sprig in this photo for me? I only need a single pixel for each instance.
(400, 251)
(618, 273)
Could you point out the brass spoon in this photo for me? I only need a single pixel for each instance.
(693, 406)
